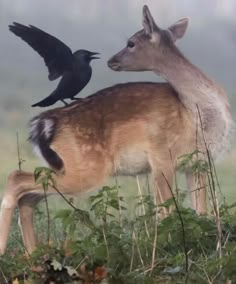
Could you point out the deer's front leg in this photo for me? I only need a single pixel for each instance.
(163, 179)
(197, 186)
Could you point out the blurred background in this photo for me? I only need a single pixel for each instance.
(105, 26)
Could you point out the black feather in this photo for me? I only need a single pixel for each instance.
(57, 56)
(74, 67)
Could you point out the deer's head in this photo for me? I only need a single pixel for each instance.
(148, 47)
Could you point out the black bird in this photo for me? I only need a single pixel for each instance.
(74, 67)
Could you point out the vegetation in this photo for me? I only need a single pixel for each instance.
(106, 244)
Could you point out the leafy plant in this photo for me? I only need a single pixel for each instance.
(103, 243)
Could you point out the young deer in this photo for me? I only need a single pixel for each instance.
(204, 105)
(126, 129)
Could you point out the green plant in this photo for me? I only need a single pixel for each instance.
(104, 242)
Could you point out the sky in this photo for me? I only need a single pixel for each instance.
(105, 26)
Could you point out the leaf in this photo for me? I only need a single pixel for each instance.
(56, 265)
(172, 270)
(95, 204)
(169, 202)
(63, 213)
(100, 273)
(109, 214)
(114, 204)
(71, 271)
(233, 205)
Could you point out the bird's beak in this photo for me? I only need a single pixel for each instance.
(92, 55)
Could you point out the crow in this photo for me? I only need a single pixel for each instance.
(74, 67)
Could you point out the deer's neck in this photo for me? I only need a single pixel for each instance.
(197, 91)
(192, 85)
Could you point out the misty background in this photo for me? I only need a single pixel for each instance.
(103, 26)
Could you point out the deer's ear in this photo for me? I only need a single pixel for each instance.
(179, 28)
(149, 24)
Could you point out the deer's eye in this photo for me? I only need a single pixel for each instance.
(130, 44)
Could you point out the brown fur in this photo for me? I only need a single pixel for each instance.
(132, 118)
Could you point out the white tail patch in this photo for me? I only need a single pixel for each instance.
(42, 132)
(41, 127)
(48, 127)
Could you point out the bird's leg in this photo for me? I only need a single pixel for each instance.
(66, 104)
(75, 99)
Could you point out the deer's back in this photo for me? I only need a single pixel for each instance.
(120, 104)
(120, 128)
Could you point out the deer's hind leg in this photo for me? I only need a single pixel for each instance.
(26, 205)
(21, 191)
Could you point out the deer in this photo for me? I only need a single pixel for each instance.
(205, 103)
(126, 129)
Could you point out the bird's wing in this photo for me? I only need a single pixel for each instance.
(57, 56)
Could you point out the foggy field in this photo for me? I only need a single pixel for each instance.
(114, 234)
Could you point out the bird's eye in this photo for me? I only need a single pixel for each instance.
(130, 44)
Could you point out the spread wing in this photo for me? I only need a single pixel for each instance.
(57, 56)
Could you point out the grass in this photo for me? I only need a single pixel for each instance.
(121, 246)
(120, 239)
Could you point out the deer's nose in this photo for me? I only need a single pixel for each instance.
(113, 63)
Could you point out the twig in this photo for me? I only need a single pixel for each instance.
(25, 248)
(204, 270)
(120, 215)
(88, 222)
(139, 252)
(207, 276)
(4, 276)
(105, 210)
(143, 207)
(182, 227)
(216, 177)
(47, 212)
(212, 187)
(132, 254)
(82, 261)
(175, 175)
(149, 269)
(154, 240)
(148, 185)
(198, 188)
(20, 161)
(106, 244)
(196, 130)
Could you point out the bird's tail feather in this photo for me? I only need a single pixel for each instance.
(48, 101)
